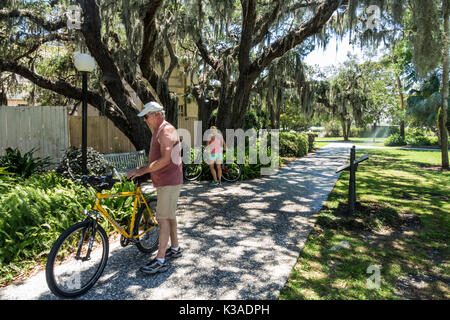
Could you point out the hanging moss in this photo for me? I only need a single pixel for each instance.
(397, 8)
(426, 35)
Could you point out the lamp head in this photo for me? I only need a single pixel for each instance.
(84, 62)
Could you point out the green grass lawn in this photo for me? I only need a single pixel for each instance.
(402, 225)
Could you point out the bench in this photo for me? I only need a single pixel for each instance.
(124, 162)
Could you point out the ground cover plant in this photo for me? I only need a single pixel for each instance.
(35, 211)
(23, 165)
(401, 225)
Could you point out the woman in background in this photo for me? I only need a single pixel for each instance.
(215, 146)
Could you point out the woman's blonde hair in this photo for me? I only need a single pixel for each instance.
(214, 130)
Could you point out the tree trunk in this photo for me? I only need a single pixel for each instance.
(402, 104)
(205, 108)
(170, 103)
(374, 129)
(349, 124)
(344, 129)
(223, 118)
(445, 89)
(274, 110)
(241, 101)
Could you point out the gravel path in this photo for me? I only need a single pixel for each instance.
(239, 241)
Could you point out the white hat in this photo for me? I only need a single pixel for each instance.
(151, 106)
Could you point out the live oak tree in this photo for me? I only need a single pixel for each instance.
(238, 41)
(428, 30)
(128, 40)
(229, 45)
(344, 96)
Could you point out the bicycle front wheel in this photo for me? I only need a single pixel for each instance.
(192, 171)
(77, 259)
(148, 241)
(231, 172)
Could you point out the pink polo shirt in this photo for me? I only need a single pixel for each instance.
(172, 174)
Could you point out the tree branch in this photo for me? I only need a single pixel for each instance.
(264, 23)
(40, 41)
(111, 76)
(61, 87)
(150, 36)
(248, 25)
(295, 37)
(173, 57)
(214, 63)
(24, 13)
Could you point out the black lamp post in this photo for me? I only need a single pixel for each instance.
(84, 63)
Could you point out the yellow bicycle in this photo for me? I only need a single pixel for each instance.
(79, 256)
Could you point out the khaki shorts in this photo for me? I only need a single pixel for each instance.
(167, 199)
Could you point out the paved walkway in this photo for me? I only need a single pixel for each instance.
(240, 240)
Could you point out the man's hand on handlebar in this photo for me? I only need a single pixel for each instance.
(133, 173)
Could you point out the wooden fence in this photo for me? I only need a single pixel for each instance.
(52, 131)
(41, 127)
(103, 136)
(188, 123)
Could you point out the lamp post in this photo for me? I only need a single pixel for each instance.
(84, 63)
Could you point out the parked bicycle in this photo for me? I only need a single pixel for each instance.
(231, 172)
(79, 256)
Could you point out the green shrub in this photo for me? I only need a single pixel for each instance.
(251, 120)
(35, 211)
(23, 165)
(249, 170)
(333, 129)
(293, 144)
(394, 140)
(5, 179)
(434, 141)
(419, 141)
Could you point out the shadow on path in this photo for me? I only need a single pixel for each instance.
(239, 241)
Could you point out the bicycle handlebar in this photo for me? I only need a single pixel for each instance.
(100, 183)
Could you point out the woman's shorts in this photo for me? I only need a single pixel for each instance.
(167, 199)
(213, 157)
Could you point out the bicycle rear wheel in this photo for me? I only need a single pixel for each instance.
(72, 268)
(192, 171)
(231, 172)
(149, 241)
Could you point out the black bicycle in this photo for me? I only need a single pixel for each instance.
(231, 172)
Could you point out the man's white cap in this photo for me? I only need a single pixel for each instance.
(151, 106)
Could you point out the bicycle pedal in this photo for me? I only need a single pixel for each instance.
(133, 241)
(124, 241)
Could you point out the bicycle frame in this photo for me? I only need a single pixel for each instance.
(138, 200)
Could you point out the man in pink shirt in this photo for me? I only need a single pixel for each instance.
(166, 171)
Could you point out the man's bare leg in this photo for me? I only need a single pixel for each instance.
(164, 235)
(173, 233)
